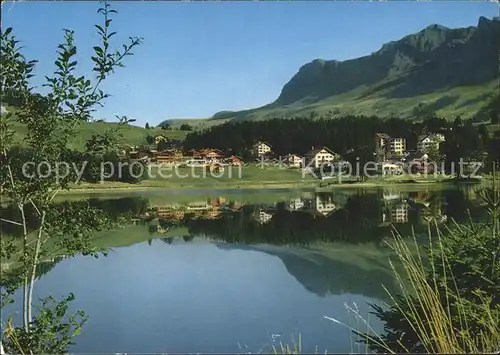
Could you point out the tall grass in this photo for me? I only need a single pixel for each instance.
(429, 313)
(283, 348)
(442, 318)
(421, 304)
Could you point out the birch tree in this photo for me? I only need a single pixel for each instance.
(32, 177)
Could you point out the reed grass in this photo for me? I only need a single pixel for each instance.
(283, 348)
(436, 313)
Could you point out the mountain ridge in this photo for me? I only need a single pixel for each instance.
(421, 72)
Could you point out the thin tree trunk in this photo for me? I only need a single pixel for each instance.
(35, 262)
(25, 280)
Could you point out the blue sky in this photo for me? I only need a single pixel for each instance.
(199, 58)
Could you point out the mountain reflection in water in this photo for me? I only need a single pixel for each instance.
(280, 262)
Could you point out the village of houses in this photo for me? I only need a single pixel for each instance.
(391, 154)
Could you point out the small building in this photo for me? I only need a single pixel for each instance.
(234, 160)
(207, 154)
(169, 156)
(293, 160)
(319, 156)
(429, 141)
(381, 140)
(213, 155)
(160, 137)
(261, 148)
(390, 169)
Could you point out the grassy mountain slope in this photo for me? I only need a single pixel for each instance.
(196, 123)
(130, 134)
(447, 71)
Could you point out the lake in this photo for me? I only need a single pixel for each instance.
(238, 272)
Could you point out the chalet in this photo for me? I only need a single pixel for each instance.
(319, 156)
(207, 154)
(213, 155)
(169, 156)
(429, 141)
(293, 160)
(261, 148)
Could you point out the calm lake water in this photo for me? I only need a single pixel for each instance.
(225, 272)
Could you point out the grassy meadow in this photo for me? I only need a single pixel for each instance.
(130, 134)
(251, 176)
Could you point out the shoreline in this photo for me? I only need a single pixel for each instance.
(249, 186)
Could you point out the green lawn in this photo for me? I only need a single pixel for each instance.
(247, 177)
(250, 176)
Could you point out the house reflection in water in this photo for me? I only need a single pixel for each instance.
(213, 214)
(208, 209)
(174, 215)
(295, 204)
(324, 204)
(396, 213)
(198, 206)
(262, 217)
(430, 208)
(319, 204)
